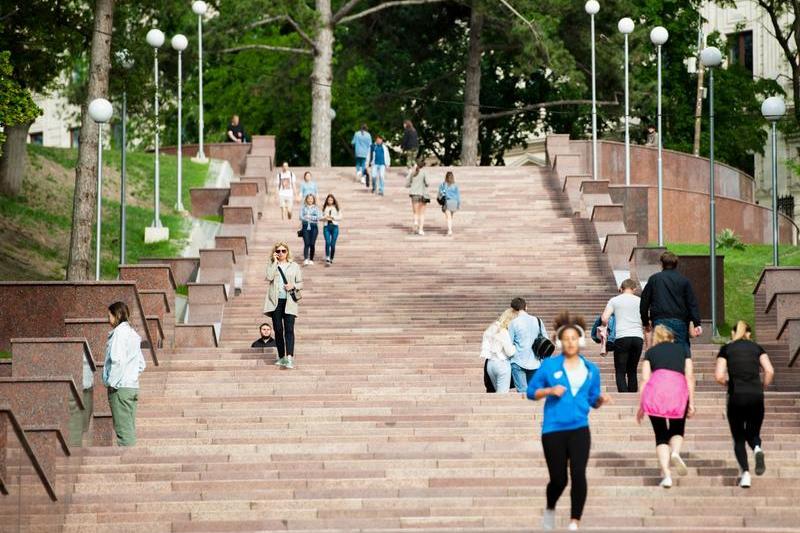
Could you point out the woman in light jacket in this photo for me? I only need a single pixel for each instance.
(281, 300)
(668, 398)
(418, 183)
(496, 349)
(123, 364)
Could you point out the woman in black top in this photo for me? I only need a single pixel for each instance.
(738, 368)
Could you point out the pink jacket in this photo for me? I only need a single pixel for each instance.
(666, 394)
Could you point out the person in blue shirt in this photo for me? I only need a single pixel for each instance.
(308, 187)
(571, 386)
(523, 330)
(380, 161)
(362, 142)
(449, 198)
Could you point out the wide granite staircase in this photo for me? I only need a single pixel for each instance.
(384, 423)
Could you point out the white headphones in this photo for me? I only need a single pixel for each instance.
(581, 338)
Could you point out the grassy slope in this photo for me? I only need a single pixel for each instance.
(742, 269)
(35, 227)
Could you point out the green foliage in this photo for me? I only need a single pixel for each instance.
(727, 239)
(742, 269)
(5, 355)
(16, 105)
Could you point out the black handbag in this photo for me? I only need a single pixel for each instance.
(542, 346)
(294, 293)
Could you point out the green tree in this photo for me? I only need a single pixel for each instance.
(16, 105)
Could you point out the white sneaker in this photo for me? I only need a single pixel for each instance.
(310, 262)
(305, 262)
(744, 481)
(666, 483)
(549, 519)
(679, 465)
(573, 526)
(421, 232)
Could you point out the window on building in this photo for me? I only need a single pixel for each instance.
(37, 138)
(74, 137)
(741, 49)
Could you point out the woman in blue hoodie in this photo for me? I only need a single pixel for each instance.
(571, 386)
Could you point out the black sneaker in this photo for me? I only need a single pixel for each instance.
(760, 466)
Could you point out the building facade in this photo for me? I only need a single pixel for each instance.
(59, 125)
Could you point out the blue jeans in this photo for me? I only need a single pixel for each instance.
(521, 376)
(310, 233)
(331, 234)
(378, 174)
(678, 327)
(500, 374)
(361, 165)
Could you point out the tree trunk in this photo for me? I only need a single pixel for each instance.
(472, 91)
(698, 109)
(796, 92)
(321, 79)
(14, 159)
(85, 199)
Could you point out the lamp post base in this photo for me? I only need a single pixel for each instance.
(180, 209)
(200, 158)
(156, 234)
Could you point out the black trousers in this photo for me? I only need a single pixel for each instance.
(627, 352)
(310, 234)
(283, 325)
(666, 428)
(487, 381)
(745, 419)
(560, 448)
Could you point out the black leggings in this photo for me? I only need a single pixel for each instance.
(745, 420)
(561, 447)
(627, 352)
(283, 325)
(666, 428)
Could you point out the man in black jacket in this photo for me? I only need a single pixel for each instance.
(668, 300)
(410, 143)
(265, 340)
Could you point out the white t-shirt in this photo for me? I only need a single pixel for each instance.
(285, 182)
(628, 321)
(577, 377)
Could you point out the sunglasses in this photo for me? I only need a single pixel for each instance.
(281, 251)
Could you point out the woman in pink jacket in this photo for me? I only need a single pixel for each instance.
(668, 398)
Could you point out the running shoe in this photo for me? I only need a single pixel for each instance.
(744, 481)
(679, 465)
(573, 526)
(281, 361)
(289, 362)
(761, 467)
(549, 519)
(666, 483)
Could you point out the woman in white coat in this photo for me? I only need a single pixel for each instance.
(496, 349)
(285, 285)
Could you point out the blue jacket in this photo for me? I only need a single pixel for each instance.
(362, 141)
(307, 188)
(568, 412)
(612, 330)
(523, 331)
(450, 192)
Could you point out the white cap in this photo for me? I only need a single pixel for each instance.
(625, 25)
(180, 42)
(155, 38)
(659, 35)
(199, 7)
(711, 56)
(100, 110)
(592, 7)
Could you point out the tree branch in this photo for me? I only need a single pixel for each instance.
(385, 5)
(783, 41)
(344, 10)
(534, 107)
(267, 47)
(530, 24)
(303, 35)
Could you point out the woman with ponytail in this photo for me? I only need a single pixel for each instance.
(668, 398)
(571, 386)
(739, 365)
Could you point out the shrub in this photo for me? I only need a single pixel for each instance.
(727, 239)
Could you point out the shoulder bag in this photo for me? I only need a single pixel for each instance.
(295, 293)
(542, 346)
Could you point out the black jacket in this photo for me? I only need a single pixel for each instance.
(669, 294)
(261, 343)
(410, 139)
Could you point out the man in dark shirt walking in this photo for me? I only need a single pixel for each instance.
(668, 300)
(410, 144)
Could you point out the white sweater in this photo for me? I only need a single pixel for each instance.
(497, 344)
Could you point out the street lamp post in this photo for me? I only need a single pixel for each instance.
(126, 62)
(155, 38)
(100, 110)
(711, 57)
(199, 8)
(659, 36)
(625, 26)
(592, 7)
(179, 43)
(773, 109)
